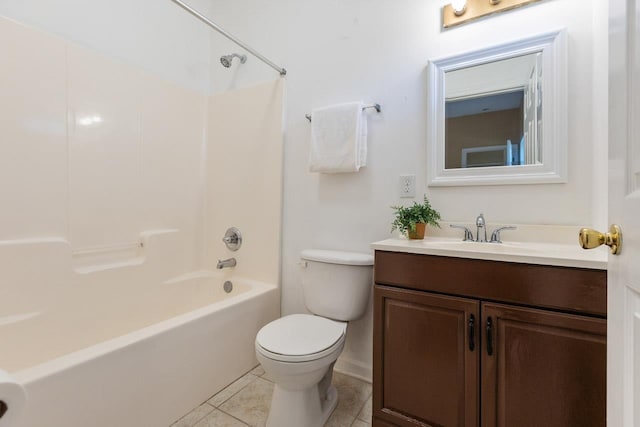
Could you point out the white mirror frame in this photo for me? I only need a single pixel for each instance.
(553, 168)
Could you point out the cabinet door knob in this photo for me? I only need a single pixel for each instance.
(489, 337)
(472, 332)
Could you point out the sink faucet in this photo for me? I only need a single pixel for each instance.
(481, 229)
(481, 225)
(226, 263)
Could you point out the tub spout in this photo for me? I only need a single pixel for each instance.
(226, 263)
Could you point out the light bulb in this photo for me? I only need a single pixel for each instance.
(459, 6)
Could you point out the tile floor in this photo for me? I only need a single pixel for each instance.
(246, 403)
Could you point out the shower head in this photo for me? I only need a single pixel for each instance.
(227, 59)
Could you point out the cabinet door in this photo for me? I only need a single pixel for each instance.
(541, 368)
(426, 359)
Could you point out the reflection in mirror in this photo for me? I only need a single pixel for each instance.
(498, 115)
(493, 113)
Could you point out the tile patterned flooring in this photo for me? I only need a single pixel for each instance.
(246, 403)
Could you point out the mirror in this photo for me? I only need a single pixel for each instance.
(498, 115)
(493, 114)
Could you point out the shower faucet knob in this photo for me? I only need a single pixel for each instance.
(233, 239)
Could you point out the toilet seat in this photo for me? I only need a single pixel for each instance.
(300, 338)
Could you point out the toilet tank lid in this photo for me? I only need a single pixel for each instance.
(337, 257)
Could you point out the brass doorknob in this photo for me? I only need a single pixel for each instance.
(590, 239)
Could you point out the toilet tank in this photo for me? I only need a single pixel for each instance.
(337, 284)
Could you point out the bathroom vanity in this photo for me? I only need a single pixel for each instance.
(504, 340)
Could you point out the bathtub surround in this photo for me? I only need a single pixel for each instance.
(244, 177)
(33, 129)
(112, 205)
(89, 152)
(378, 50)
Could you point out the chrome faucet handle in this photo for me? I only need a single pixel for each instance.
(468, 236)
(233, 239)
(495, 236)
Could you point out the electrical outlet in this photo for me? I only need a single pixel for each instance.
(407, 185)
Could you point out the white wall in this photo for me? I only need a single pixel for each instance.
(377, 51)
(155, 35)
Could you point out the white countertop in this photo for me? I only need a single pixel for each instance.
(557, 254)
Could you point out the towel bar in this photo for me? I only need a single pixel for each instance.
(376, 106)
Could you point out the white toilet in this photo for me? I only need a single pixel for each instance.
(298, 351)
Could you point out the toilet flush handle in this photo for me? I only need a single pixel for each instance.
(302, 263)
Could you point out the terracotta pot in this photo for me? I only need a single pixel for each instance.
(420, 229)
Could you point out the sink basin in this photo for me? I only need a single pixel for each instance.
(500, 248)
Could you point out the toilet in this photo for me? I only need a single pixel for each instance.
(298, 351)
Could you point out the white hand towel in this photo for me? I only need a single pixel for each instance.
(338, 138)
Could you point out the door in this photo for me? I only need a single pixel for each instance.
(623, 357)
(425, 359)
(542, 368)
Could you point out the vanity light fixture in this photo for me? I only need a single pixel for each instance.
(462, 11)
(459, 7)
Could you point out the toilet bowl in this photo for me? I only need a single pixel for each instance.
(299, 351)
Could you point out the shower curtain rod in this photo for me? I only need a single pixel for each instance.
(219, 29)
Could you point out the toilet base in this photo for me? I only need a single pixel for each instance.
(330, 403)
(301, 408)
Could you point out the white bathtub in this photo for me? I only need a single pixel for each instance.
(136, 361)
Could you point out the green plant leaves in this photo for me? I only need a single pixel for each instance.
(407, 217)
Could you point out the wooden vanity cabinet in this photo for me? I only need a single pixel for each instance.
(546, 368)
(481, 354)
(430, 372)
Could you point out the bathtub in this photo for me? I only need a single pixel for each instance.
(137, 361)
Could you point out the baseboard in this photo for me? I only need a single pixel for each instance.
(355, 369)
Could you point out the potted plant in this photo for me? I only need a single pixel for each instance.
(412, 220)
